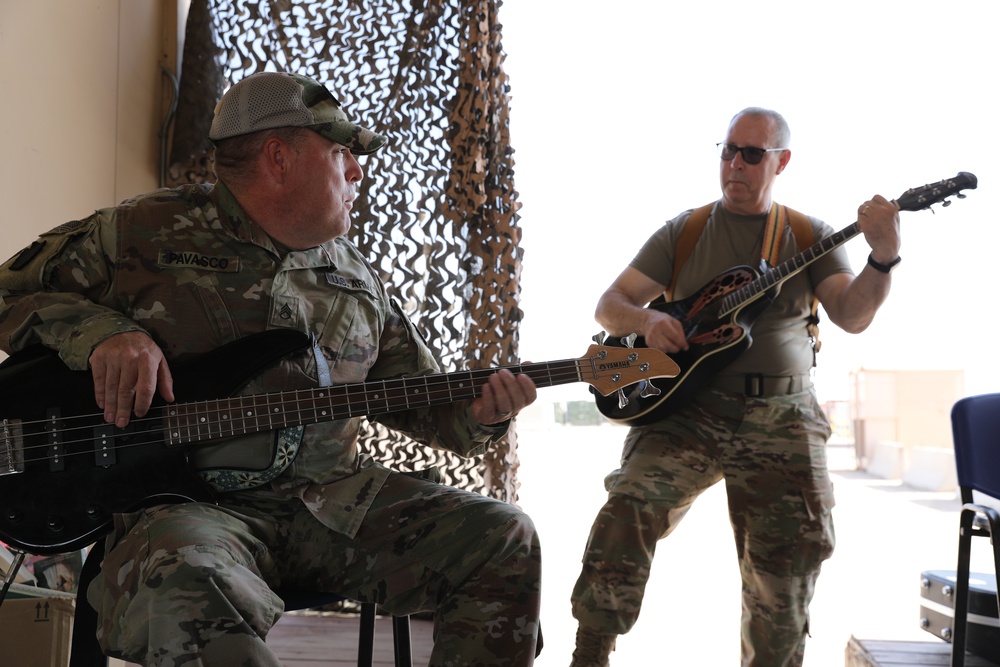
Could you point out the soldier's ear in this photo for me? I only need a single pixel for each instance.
(277, 158)
(783, 159)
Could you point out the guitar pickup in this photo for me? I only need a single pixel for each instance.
(55, 449)
(105, 454)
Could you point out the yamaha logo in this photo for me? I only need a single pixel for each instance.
(617, 364)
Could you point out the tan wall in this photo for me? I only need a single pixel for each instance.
(906, 406)
(82, 104)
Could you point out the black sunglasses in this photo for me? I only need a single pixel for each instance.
(751, 154)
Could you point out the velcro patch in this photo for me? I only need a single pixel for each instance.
(25, 256)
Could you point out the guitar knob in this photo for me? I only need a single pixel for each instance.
(629, 340)
(599, 337)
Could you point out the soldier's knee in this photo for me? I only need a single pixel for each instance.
(512, 546)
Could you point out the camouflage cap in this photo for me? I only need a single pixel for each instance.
(269, 100)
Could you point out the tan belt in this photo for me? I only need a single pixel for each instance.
(758, 385)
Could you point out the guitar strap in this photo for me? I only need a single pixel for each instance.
(804, 238)
(686, 241)
(770, 247)
(777, 218)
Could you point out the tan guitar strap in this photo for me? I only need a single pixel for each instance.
(686, 241)
(777, 218)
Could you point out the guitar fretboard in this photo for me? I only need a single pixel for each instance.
(187, 423)
(786, 269)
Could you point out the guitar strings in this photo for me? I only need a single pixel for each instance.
(435, 390)
(726, 303)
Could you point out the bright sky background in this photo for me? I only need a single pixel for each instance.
(616, 109)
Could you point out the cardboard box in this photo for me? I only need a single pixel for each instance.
(59, 572)
(36, 632)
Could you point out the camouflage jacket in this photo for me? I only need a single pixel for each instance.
(188, 267)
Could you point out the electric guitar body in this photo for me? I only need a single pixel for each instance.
(64, 472)
(76, 470)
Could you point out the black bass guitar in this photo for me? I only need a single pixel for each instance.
(63, 471)
(718, 317)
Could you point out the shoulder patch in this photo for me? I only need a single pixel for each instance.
(24, 271)
(65, 228)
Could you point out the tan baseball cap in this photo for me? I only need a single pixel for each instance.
(269, 100)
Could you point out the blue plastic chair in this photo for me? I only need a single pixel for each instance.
(975, 423)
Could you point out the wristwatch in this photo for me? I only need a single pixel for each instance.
(884, 268)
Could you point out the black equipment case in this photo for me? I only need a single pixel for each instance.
(937, 610)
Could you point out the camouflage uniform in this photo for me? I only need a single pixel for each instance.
(769, 449)
(192, 584)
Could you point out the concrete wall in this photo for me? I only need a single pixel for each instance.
(902, 424)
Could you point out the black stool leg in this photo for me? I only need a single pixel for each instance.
(85, 651)
(401, 641)
(366, 635)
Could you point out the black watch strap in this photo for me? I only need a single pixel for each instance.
(884, 268)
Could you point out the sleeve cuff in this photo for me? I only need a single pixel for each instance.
(78, 346)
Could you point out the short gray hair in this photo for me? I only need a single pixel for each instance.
(782, 135)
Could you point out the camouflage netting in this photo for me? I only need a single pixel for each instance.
(436, 213)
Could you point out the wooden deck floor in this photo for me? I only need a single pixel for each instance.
(330, 639)
(884, 653)
(326, 639)
(323, 639)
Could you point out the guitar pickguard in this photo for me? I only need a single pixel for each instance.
(721, 335)
(719, 287)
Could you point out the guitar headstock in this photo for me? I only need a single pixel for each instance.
(917, 199)
(611, 368)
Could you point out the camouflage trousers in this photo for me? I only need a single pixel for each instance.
(192, 584)
(771, 454)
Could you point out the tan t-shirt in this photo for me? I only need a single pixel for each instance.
(780, 342)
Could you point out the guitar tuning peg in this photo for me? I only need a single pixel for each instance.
(599, 337)
(946, 202)
(961, 195)
(622, 399)
(629, 340)
(648, 389)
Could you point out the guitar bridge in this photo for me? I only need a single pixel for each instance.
(11, 447)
